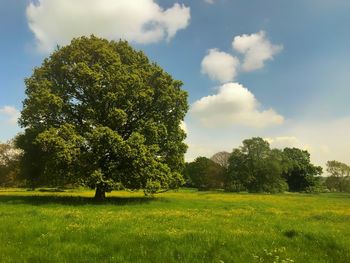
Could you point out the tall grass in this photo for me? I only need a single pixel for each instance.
(185, 226)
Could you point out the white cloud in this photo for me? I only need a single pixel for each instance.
(219, 66)
(327, 139)
(209, 1)
(233, 105)
(281, 142)
(197, 149)
(143, 21)
(9, 114)
(324, 139)
(183, 126)
(256, 49)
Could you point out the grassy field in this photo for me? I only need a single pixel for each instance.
(185, 226)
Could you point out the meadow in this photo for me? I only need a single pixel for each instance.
(183, 226)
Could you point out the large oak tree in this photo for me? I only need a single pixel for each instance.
(99, 113)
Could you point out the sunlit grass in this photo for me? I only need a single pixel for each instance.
(185, 226)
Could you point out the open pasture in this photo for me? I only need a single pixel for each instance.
(184, 226)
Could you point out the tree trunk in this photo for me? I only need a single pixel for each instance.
(100, 194)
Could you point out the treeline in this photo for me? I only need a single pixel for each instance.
(255, 167)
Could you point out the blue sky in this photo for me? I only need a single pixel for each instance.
(299, 96)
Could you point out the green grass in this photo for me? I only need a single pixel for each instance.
(185, 226)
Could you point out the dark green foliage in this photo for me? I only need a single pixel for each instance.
(204, 174)
(256, 168)
(300, 173)
(101, 114)
(336, 184)
(32, 162)
(339, 179)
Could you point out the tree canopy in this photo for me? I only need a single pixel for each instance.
(300, 173)
(99, 113)
(339, 176)
(204, 174)
(256, 168)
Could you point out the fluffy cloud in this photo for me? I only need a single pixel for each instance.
(233, 105)
(282, 142)
(219, 66)
(9, 114)
(195, 150)
(256, 49)
(143, 21)
(327, 139)
(324, 139)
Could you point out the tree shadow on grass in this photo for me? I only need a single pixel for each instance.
(73, 200)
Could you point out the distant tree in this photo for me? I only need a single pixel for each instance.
(299, 172)
(99, 113)
(204, 174)
(339, 176)
(256, 168)
(338, 169)
(9, 165)
(221, 158)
